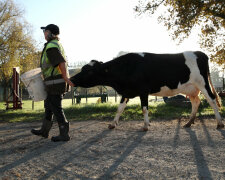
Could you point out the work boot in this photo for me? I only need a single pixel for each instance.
(63, 136)
(45, 128)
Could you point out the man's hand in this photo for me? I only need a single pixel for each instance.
(62, 68)
(69, 82)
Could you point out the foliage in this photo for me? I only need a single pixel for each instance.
(17, 48)
(181, 16)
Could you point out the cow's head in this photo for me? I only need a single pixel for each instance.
(89, 76)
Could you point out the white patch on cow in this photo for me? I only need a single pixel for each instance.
(191, 87)
(141, 54)
(119, 112)
(197, 79)
(146, 119)
(165, 91)
(121, 53)
(91, 63)
(187, 88)
(195, 76)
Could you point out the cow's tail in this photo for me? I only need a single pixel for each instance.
(208, 78)
(218, 99)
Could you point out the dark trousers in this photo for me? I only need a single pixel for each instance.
(53, 106)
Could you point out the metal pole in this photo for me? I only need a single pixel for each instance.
(32, 105)
(72, 95)
(15, 87)
(223, 77)
(115, 96)
(86, 96)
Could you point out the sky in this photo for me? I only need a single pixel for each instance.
(100, 29)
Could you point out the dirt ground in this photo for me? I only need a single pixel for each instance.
(166, 151)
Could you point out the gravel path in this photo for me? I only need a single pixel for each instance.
(166, 151)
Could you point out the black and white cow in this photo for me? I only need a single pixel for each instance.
(143, 74)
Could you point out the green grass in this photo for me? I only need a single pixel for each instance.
(105, 111)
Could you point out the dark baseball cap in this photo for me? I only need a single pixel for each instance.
(54, 29)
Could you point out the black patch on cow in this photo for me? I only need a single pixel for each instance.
(203, 65)
(132, 75)
(166, 70)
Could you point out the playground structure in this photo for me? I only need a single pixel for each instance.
(77, 96)
(16, 99)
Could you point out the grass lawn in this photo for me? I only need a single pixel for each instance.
(106, 111)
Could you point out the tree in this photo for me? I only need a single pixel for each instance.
(17, 48)
(77, 64)
(181, 16)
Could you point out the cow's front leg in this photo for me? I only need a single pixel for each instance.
(144, 105)
(123, 104)
(146, 119)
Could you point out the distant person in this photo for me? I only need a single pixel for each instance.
(56, 78)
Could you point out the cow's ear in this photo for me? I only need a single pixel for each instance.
(93, 62)
(97, 62)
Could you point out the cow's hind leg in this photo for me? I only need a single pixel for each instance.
(195, 102)
(212, 102)
(144, 105)
(123, 104)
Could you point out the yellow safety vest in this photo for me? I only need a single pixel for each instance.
(52, 75)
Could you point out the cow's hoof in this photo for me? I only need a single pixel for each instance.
(144, 129)
(111, 126)
(187, 125)
(220, 126)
